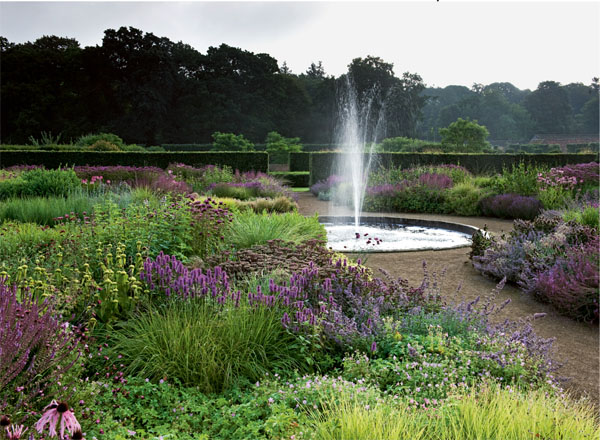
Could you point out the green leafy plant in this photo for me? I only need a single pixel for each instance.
(231, 142)
(89, 140)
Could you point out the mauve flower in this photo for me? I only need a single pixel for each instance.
(15, 432)
(52, 414)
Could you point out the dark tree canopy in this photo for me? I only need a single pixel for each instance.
(150, 90)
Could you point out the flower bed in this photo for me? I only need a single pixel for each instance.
(164, 314)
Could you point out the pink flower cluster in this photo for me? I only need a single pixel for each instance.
(94, 179)
(570, 176)
(557, 179)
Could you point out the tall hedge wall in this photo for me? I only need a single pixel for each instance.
(321, 164)
(257, 161)
(202, 147)
(299, 161)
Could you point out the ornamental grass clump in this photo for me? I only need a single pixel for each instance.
(248, 229)
(207, 344)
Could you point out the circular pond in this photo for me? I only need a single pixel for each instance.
(390, 234)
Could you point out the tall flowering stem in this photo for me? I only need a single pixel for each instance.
(36, 349)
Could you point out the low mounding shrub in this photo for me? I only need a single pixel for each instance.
(102, 145)
(571, 284)
(275, 254)
(404, 197)
(36, 348)
(40, 183)
(463, 199)
(555, 261)
(588, 216)
(249, 229)
(325, 186)
(97, 142)
(511, 206)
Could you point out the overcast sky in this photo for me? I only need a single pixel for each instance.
(445, 42)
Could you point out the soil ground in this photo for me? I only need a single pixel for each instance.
(576, 344)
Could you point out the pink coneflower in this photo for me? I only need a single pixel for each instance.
(15, 432)
(55, 412)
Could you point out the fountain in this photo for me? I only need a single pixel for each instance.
(359, 127)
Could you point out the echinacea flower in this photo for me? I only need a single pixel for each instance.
(55, 412)
(15, 432)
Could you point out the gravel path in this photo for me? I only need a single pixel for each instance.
(576, 345)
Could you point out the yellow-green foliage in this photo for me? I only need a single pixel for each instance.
(489, 413)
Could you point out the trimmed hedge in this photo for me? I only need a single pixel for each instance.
(202, 147)
(299, 161)
(255, 161)
(296, 179)
(321, 164)
(533, 148)
(313, 148)
(576, 148)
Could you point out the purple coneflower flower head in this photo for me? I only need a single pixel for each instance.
(52, 414)
(4, 420)
(15, 432)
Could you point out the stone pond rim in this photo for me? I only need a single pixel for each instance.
(373, 220)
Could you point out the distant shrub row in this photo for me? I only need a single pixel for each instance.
(322, 164)
(256, 161)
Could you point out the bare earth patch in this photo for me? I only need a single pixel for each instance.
(576, 345)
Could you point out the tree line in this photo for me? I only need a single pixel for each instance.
(150, 90)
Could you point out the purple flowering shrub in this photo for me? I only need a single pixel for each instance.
(425, 356)
(554, 260)
(251, 185)
(201, 178)
(153, 178)
(571, 283)
(345, 306)
(325, 186)
(511, 206)
(36, 349)
(132, 175)
(571, 176)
